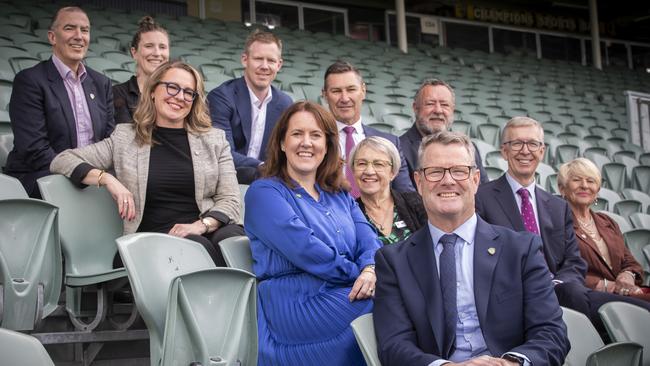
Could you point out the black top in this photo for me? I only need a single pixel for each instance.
(409, 215)
(170, 197)
(125, 100)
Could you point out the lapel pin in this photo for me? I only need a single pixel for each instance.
(92, 96)
(491, 251)
(298, 195)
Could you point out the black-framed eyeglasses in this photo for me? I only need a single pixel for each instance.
(173, 89)
(436, 174)
(517, 145)
(379, 165)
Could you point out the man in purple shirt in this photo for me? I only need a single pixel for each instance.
(58, 104)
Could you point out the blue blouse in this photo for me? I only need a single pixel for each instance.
(291, 232)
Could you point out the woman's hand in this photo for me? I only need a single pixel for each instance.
(183, 230)
(121, 195)
(364, 286)
(625, 284)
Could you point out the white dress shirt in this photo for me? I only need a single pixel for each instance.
(357, 136)
(258, 122)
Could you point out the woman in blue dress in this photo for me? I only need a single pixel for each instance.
(313, 249)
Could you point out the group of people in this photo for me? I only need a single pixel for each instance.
(480, 270)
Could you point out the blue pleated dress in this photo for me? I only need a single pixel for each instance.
(307, 255)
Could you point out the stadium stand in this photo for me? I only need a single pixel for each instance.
(627, 323)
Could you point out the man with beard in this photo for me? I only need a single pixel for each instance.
(434, 111)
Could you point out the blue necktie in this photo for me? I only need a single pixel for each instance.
(448, 285)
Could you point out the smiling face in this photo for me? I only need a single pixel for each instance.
(345, 94)
(171, 111)
(304, 145)
(434, 109)
(152, 51)
(261, 62)
(448, 202)
(69, 37)
(523, 163)
(372, 180)
(580, 191)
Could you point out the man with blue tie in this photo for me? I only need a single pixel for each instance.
(461, 291)
(345, 91)
(247, 108)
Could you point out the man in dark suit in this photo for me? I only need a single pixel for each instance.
(248, 107)
(433, 107)
(345, 91)
(58, 104)
(514, 201)
(461, 289)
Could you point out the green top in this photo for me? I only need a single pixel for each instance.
(398, 233)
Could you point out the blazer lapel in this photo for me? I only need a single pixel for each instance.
(421, 256)
(58, 88)
(199, 177)
(243, 101)
(273, 112)
(143, 153)
(90, 91)
(487, 251)
(506, 199)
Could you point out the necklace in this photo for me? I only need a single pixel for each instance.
(385, 214)
(591, 230)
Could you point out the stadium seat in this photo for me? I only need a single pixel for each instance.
(640, 220)
(212, 319)
(6, 145)
(22, 349)
(153, 261)
(551, 184)
(614, 176)
(30, 262)
(483, 148)
(542, 173)
(621, 221)
(118, 75)
(644, 159)
(585, 341)
(636, 240)
(364, 331)
(565, 153)
(627, 323)
(628, 160)
(11, 187)
(489, 133)
(626, 207)
(237, 253)
(100, 64)
(598, 156)
(493, 172)
(626, 353)
(641, 178)
(89, 224)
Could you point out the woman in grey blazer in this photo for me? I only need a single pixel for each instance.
(173, 171)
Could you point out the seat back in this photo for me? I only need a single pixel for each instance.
(22, 349)
(89, 223)
(6, 145)
(636, 240)
(11, 187)
(640, 220)
(614, 176)
(212, 317)
(152, 261)
(621, 221)
(627, 323)
(626, 207)
(620, 354)
(243, 188)
(30, 262)
(583, 337)
(236, 251)
(364, 331)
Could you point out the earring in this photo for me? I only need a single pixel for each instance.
(595, 202)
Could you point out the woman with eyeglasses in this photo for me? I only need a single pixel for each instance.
(173, 171)
(394, 215)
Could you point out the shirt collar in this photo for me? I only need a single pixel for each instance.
(67, 72)
(358, 127)
(466, 231)
(255, 101)
(515, 186)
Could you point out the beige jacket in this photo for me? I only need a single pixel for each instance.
(215, 179)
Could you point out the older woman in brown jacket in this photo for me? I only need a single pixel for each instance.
(173, 171)
(612, 268)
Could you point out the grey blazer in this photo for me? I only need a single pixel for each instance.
(215, 179)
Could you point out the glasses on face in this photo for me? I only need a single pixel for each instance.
(517, 145)
(173, 89)
(361, 165)
(457, 172)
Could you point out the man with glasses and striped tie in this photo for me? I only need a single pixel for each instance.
(461, 291)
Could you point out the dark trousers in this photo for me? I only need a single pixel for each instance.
(211, 241)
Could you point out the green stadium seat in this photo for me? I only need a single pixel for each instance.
(612, 198)
(627, 323)
(118, 75)
(621, 221)
(614, 176)
(565, 153)
(237, 253)
(22, 349)
(636, 240)
(100, 64)
(627, 207)
(634, 194)
(364, 331)
(641, 178)
(640, 220)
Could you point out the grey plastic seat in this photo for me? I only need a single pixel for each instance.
(627, 323)
(364, 331)
(565, 153)
(30, 262)
(543, 172)
(152, 261)
(636, 240)
(493, 172)
(211, 318)
(641, 178)
(621, 221)
(11, 187)
(89, 223)
(585, 341)
(640, 220)
(614, 176)
(610, 196)
(236, 251)
(626, 208)
(617, 354)
(642, 197)
(22, 349)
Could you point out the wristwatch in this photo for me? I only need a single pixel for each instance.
(208, 224)
(513, 358)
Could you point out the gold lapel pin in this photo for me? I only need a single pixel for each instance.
(491, 251)
(298, 195)
(92, 96)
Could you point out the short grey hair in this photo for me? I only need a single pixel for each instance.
(445, 138)
(520, 122)
(435, 82)
(579, 166)
(380, 144)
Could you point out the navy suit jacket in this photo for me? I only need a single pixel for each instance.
(402, 182)
(230, 109)
(515, 302)
(495, 203)
(43, 121)
(411, 140)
